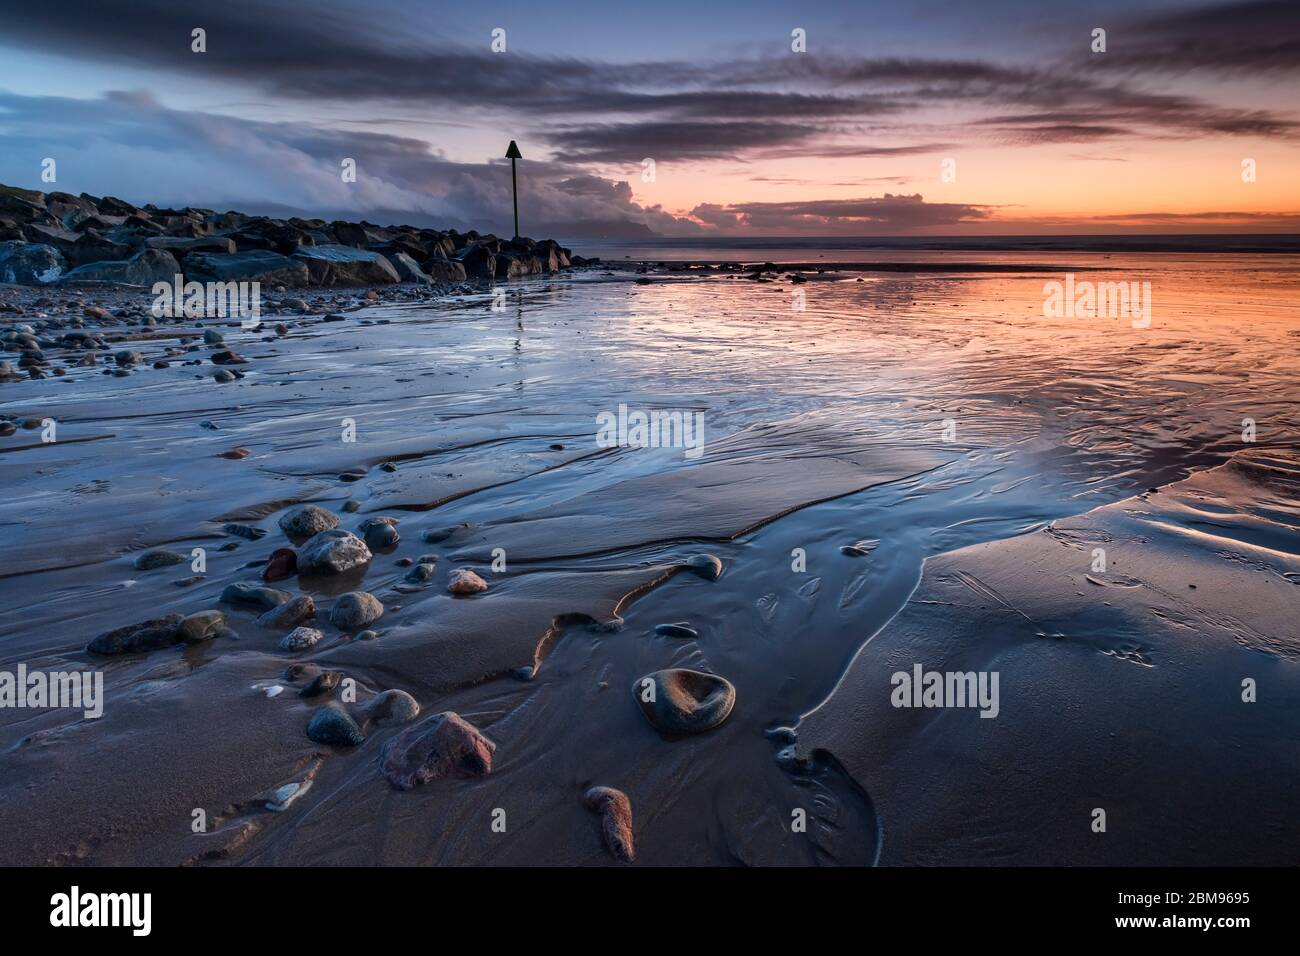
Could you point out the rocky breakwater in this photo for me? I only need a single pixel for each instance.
(57, 238)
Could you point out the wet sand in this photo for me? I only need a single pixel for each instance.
(823, 428)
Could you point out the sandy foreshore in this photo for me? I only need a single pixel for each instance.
(832, 534)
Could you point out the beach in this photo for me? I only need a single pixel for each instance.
(909, 465)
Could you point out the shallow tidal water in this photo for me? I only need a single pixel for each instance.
(937, 418)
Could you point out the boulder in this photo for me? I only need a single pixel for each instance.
(407, 268)
(181, 247)
(445, 270)
(332, 265)
(30, 263)
(259, 265)
(144, 269)
(479, 261)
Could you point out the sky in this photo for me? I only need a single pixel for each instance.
(888, 117)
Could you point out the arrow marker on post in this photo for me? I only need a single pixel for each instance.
(512, 153)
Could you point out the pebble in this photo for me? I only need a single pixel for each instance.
(300, 639)
(223, 376)
(465, 581)
(332, 552)
(354, 610)
(379, 533)
(351, 505)
(282, 564)
(202, 626)
(439, 746)
(301, 670)
(859, 549)
(152, 560)
(235, 454)
(247, 532)
(331, 725)
(706, 566)
(286, 795)
(420, 574)
(615, 811)
(391, 707)
(289, 614)
(322, 683)
(685, 701)
(145, 636)
(250, 592)
(303, 521)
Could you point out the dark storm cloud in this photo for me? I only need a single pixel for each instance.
(671, 141)
(1256, 38)
(126, 144)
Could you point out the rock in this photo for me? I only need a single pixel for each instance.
(332, 552)
(247, 532)
(257, 265)
(465, 581)
(223, 376)
(286, 795)
(288, 614)
(368, 636)
(351, 506)
(332, 265)
(676, 630)
(282, 564)
(247, 592)
(391, 707)
(301, 670)
(438, 746)
(420, 574)
(354, 610)
(331, 725)
(684, 701)
(477, 260)
(706, 566)
(144, 269)
(202, 626)
(380, 533)
(127, 357)
(145, 636)
(300, 639)
(322, 683)
(213, 337)
(152, 560)
(407, 269)
(180, 246)
(30, 263)
(445, 270)
(615, 811)
(303, 521)
(860, 548)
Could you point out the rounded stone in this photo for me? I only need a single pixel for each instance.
(354, 610)
(681, 701)
(331, 725)
(303, 521)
